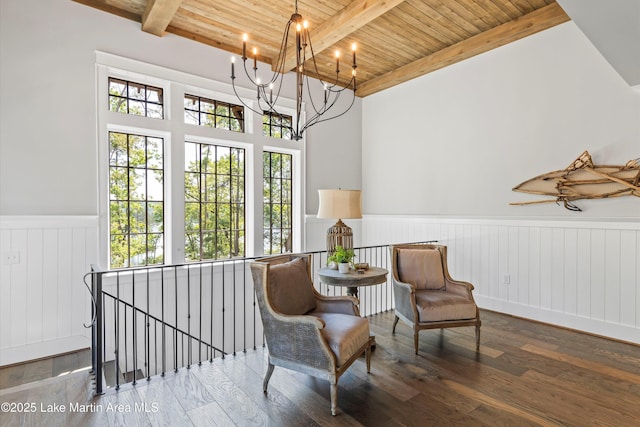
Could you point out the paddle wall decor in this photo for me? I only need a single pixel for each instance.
(583, 179)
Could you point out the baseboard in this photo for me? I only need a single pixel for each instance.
(591, 326)
(25, 353)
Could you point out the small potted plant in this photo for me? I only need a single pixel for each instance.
(343, 257)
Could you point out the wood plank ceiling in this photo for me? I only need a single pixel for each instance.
(397, 40)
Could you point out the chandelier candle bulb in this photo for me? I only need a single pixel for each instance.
(233, 70)
(255, 58)
(244, 46)
(353, 48)
(337, 61)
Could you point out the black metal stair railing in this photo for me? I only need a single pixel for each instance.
(148, 320)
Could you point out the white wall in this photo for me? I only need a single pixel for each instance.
(456, 141)
(442, 152)
(614, 28)
(44, 303)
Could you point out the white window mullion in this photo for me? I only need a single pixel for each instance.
(175, 176)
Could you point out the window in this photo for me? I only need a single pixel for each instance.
(276, 125)
(277, 193)
(175, 188)
(136, 200)
(212, 113)
(214, 201)
(135, 98)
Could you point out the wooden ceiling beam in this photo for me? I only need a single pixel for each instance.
(101, 5)
(158, 14)
(531, 23)
(354, 16)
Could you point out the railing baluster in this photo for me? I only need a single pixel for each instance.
(200, 318)
(147, 337)
(188, 318)
(164, 342)
(223, 307)
(97, 332)
(135, 329)
(233, 290)
(117, 353)
(175, 349)
(155, 341)
(212, 315)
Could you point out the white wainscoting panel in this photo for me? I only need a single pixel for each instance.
(583, 275)
(44, 302)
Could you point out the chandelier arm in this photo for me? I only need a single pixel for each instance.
(282, 55)
(315, 65)
(342, 88)
(315, 68)
(252, 80)
(333, 94)
(242, 100)
(332, 117)
(317, 111)
(277, 95)
(278, 74)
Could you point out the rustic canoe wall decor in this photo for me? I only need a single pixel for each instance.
(583, 180)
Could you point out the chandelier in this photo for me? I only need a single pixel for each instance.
(268, 92)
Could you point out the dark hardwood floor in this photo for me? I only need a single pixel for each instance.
(526, 374)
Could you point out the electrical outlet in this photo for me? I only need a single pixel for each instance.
(9, 258)
(507, 279)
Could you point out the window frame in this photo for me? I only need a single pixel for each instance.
(128, 99)
(214, 101)
(223, 144)
(130, 200)
(278, 203)
(281, 116)
(175, 132)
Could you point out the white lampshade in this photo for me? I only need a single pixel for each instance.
(340, 204)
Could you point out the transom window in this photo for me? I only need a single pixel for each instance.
(136, 200)
(277, 199)
(277, 125)
(211, 113)
(135, 98)
(214, 204)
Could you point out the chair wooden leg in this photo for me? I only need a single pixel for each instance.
(367, 355)
(415, 340)
(334, 397)
(267, 376)
(395, 322)
(477, 337)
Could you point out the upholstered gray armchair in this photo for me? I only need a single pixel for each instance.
(305, 331)
(426, 296)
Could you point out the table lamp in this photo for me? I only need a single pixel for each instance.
(340, 204)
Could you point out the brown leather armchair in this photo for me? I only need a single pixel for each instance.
(304, 330)
(426, 297)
